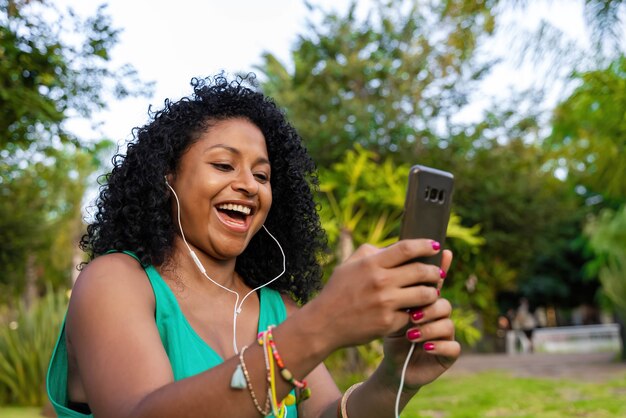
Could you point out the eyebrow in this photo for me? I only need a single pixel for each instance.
(236, 152)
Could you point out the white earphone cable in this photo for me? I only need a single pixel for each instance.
(238, 305)
(402, 376)
(198, 263)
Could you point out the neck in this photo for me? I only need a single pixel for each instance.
(221, 272)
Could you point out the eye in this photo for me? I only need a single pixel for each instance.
(222, 166)
(262, 177)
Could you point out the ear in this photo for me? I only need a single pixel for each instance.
(169, 178)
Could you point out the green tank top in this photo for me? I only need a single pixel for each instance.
(187, 352)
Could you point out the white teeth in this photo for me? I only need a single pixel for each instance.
(238, 208)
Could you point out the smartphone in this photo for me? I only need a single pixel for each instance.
(427, 207)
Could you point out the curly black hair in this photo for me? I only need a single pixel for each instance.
(133, 209)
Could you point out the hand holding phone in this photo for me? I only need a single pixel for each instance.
(426, 215)
(427, 207)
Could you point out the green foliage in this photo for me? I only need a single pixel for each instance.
(588, 140)
(48, 73)
(465, 326)
(386, 82)
(391, 83)
(53, 66)
(557, 275)
(528, 218)
(365, 198)
(607, 237)
(361, 201)
(40, 215)
(362, 198)
(27, 337)
(556, 50)
(589, 131)
(504, 188)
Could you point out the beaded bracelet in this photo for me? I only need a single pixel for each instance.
(263, 411)
(284, 372)
(303, 393)
(278, 409)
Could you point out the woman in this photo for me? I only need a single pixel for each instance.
(173, 316)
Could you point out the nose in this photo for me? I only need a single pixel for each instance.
(246, 183)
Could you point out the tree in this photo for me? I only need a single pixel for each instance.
(387, 82)
(607, 235)
(603, 18)
(589, 131)
(40, 217)
(392, 83)
(47, 77)
(588, 141)
(553, 53)
(361, 201)
(503, 186)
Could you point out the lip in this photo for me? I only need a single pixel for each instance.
(230, 224)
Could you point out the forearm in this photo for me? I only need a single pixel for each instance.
(303, 344)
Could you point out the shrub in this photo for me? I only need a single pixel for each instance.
(27, 337)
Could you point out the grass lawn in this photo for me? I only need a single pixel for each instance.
(18, 412)
(494, 394)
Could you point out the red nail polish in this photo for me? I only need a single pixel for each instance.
(429, 346)
(438, 292)
(442, 273)
(417, 315)
(436, 245)
(413, 334)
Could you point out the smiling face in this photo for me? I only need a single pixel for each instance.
(223, 184)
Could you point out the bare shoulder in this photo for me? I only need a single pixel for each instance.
(117, 275)
(110, 280)
(113, 337)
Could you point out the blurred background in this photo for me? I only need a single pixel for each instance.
(524, 101)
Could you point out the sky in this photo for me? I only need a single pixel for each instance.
(171, 42)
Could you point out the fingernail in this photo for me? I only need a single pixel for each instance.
(417, 315)
(442, 273)
(438, 292)
(413, 334)
(429, 346)
(436, 245)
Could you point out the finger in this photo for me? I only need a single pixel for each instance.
(398, 326)
(446, 260)
(415, 274)
(412, 296)
(365, 250)
(442, 329)
(405, 250)
(446, 351)
(440, 309)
